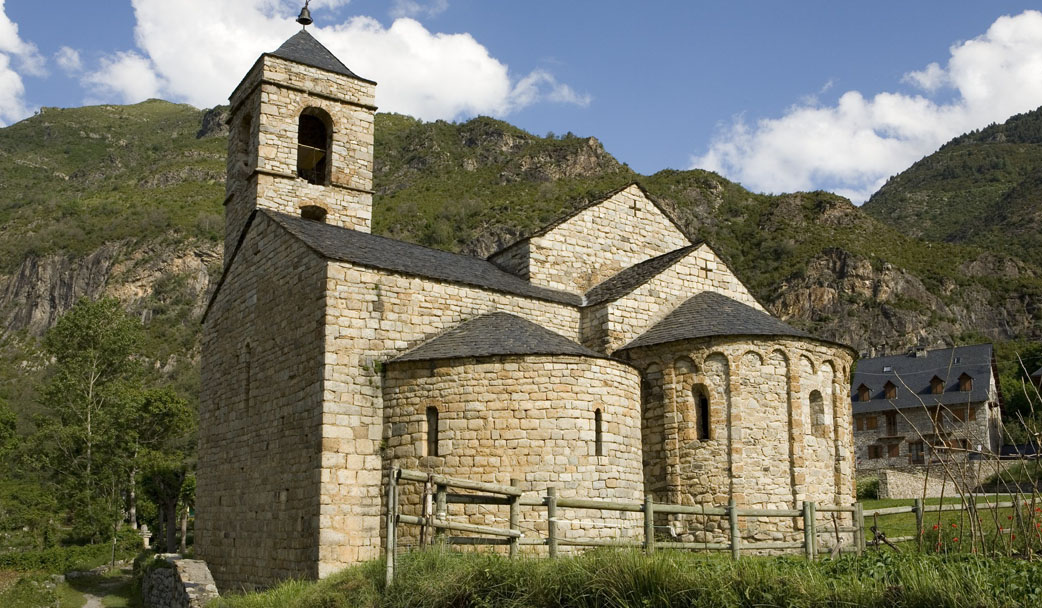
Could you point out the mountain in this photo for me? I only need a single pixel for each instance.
(126, 200)
(983, 188)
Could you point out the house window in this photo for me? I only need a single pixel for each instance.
(965, 383)
(314, 134)
(890, 390)
(702, 413)
(915, 452)
(972, 412)
(871, 423)
(598, 436)
(891, 423)
(893, 450)
(432, 431)
(937, 386)
(875, 452)
(859, 423)
(937, 414)
(863, 394)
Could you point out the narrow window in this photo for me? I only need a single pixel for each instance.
(871, 423)
(432, 431)
(893, 450)
(875, 451)
(891, 423)
(247, 357)
(965, 383)
(598, 436)
(859, 421)
(890, 390)
(313, 138)
(863, 394)
(703, 416)
(937, 386)
(972, 412)
(819, 424)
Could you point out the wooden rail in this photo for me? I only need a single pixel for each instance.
(437, 496)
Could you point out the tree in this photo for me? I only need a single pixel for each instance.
(88, 401)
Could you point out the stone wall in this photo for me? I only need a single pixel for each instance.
(527, 418)
(261, 414)
(611, 325)
(371, 317)
(174, 582)
(772, 442)
(262, 145)
(967, 423)
(595, 244)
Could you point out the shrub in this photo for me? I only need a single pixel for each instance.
(867, 488)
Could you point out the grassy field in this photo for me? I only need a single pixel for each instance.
(947, 531)
(623, 579)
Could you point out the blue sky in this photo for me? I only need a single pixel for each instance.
(780, 96)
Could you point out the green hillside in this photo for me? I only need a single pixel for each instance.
(983, 187)
(133, 195)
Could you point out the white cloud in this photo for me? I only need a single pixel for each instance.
(68, 59)
(416, 8)
(853, 146)
(125, 76)
(421, 73)
(12, 90)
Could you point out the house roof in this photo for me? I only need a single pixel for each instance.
(916, 372)
(303, 48)
(373, 251)
(712, 314)
(1038, 373)
(633, 277)
(496, 334)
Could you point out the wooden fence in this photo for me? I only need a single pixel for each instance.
(920, 510)
(438, 494)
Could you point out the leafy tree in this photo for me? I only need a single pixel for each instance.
(88, 403)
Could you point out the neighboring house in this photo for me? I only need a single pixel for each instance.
(608, 354)
(916, 408)
(1036, 377)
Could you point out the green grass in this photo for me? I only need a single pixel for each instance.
(441, 579)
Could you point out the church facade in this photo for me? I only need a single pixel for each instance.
(609, 355)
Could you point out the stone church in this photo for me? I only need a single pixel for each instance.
(610, 354)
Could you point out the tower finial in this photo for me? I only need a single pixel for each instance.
(304, 18)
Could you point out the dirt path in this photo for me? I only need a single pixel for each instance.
(93, 601)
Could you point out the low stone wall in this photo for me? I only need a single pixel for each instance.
(908, 483)
(176, 582)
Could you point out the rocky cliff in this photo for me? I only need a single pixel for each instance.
(126, 201)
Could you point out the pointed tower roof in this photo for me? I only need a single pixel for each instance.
(303, 48)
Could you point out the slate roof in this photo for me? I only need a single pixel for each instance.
(380, 252)
(634, 276)
(1038, 373)
(303, 48)
(712, 314)
(496, 334)
(917, 372)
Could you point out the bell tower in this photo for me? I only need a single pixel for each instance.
(301, 139)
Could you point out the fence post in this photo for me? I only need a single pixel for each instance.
(918, 509)
(551, 520)
(515, 515)
(392, 513)
(859, 538)
(440, 507)
(813, 530)
(808, 527)
(649, 524)
(736, 539)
